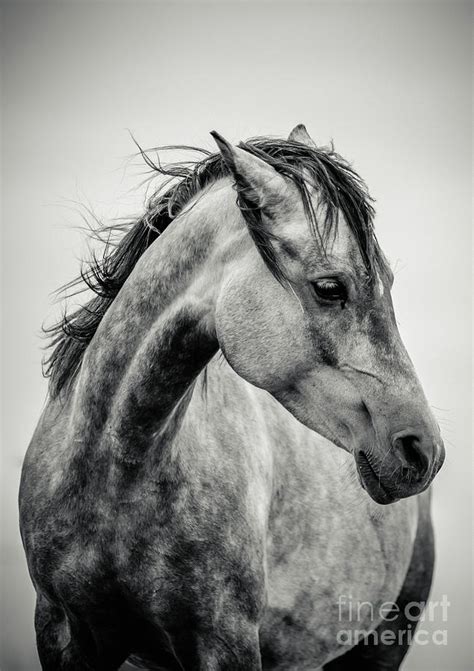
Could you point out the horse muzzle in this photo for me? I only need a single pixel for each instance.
(407, 469)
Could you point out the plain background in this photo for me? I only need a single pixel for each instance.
(389, 82)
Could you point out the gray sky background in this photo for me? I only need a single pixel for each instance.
(390, 82)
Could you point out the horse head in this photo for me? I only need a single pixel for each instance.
(314, 324)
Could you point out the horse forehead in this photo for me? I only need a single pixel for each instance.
(343, 242)
(342, 245)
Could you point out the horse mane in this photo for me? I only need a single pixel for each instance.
(340, 189)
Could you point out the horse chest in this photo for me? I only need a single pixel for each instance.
(329, 573)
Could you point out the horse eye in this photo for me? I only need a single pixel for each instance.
(330, 289)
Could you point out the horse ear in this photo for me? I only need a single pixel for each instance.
(261, 183)
(301, 135)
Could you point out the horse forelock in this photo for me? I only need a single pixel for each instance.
(339, 187)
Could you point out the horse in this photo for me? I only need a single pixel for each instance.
(235, 449)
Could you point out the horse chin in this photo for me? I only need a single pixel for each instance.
(371, 482)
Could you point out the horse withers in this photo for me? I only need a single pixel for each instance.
(184, 502)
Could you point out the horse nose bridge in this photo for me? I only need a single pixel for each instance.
(396, 366)
(399, 406)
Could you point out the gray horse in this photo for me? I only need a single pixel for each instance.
(183, 502)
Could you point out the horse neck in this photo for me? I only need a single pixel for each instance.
(159, 332)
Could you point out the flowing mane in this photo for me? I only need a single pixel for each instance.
(340, 188)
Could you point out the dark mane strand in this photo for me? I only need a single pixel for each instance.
(340, 189)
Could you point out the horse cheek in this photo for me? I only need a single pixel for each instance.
(261, 331)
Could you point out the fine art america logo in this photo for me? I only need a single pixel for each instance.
(390, 624)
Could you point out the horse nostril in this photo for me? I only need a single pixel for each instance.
(410, 449)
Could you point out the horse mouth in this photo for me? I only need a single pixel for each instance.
(371, 482)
